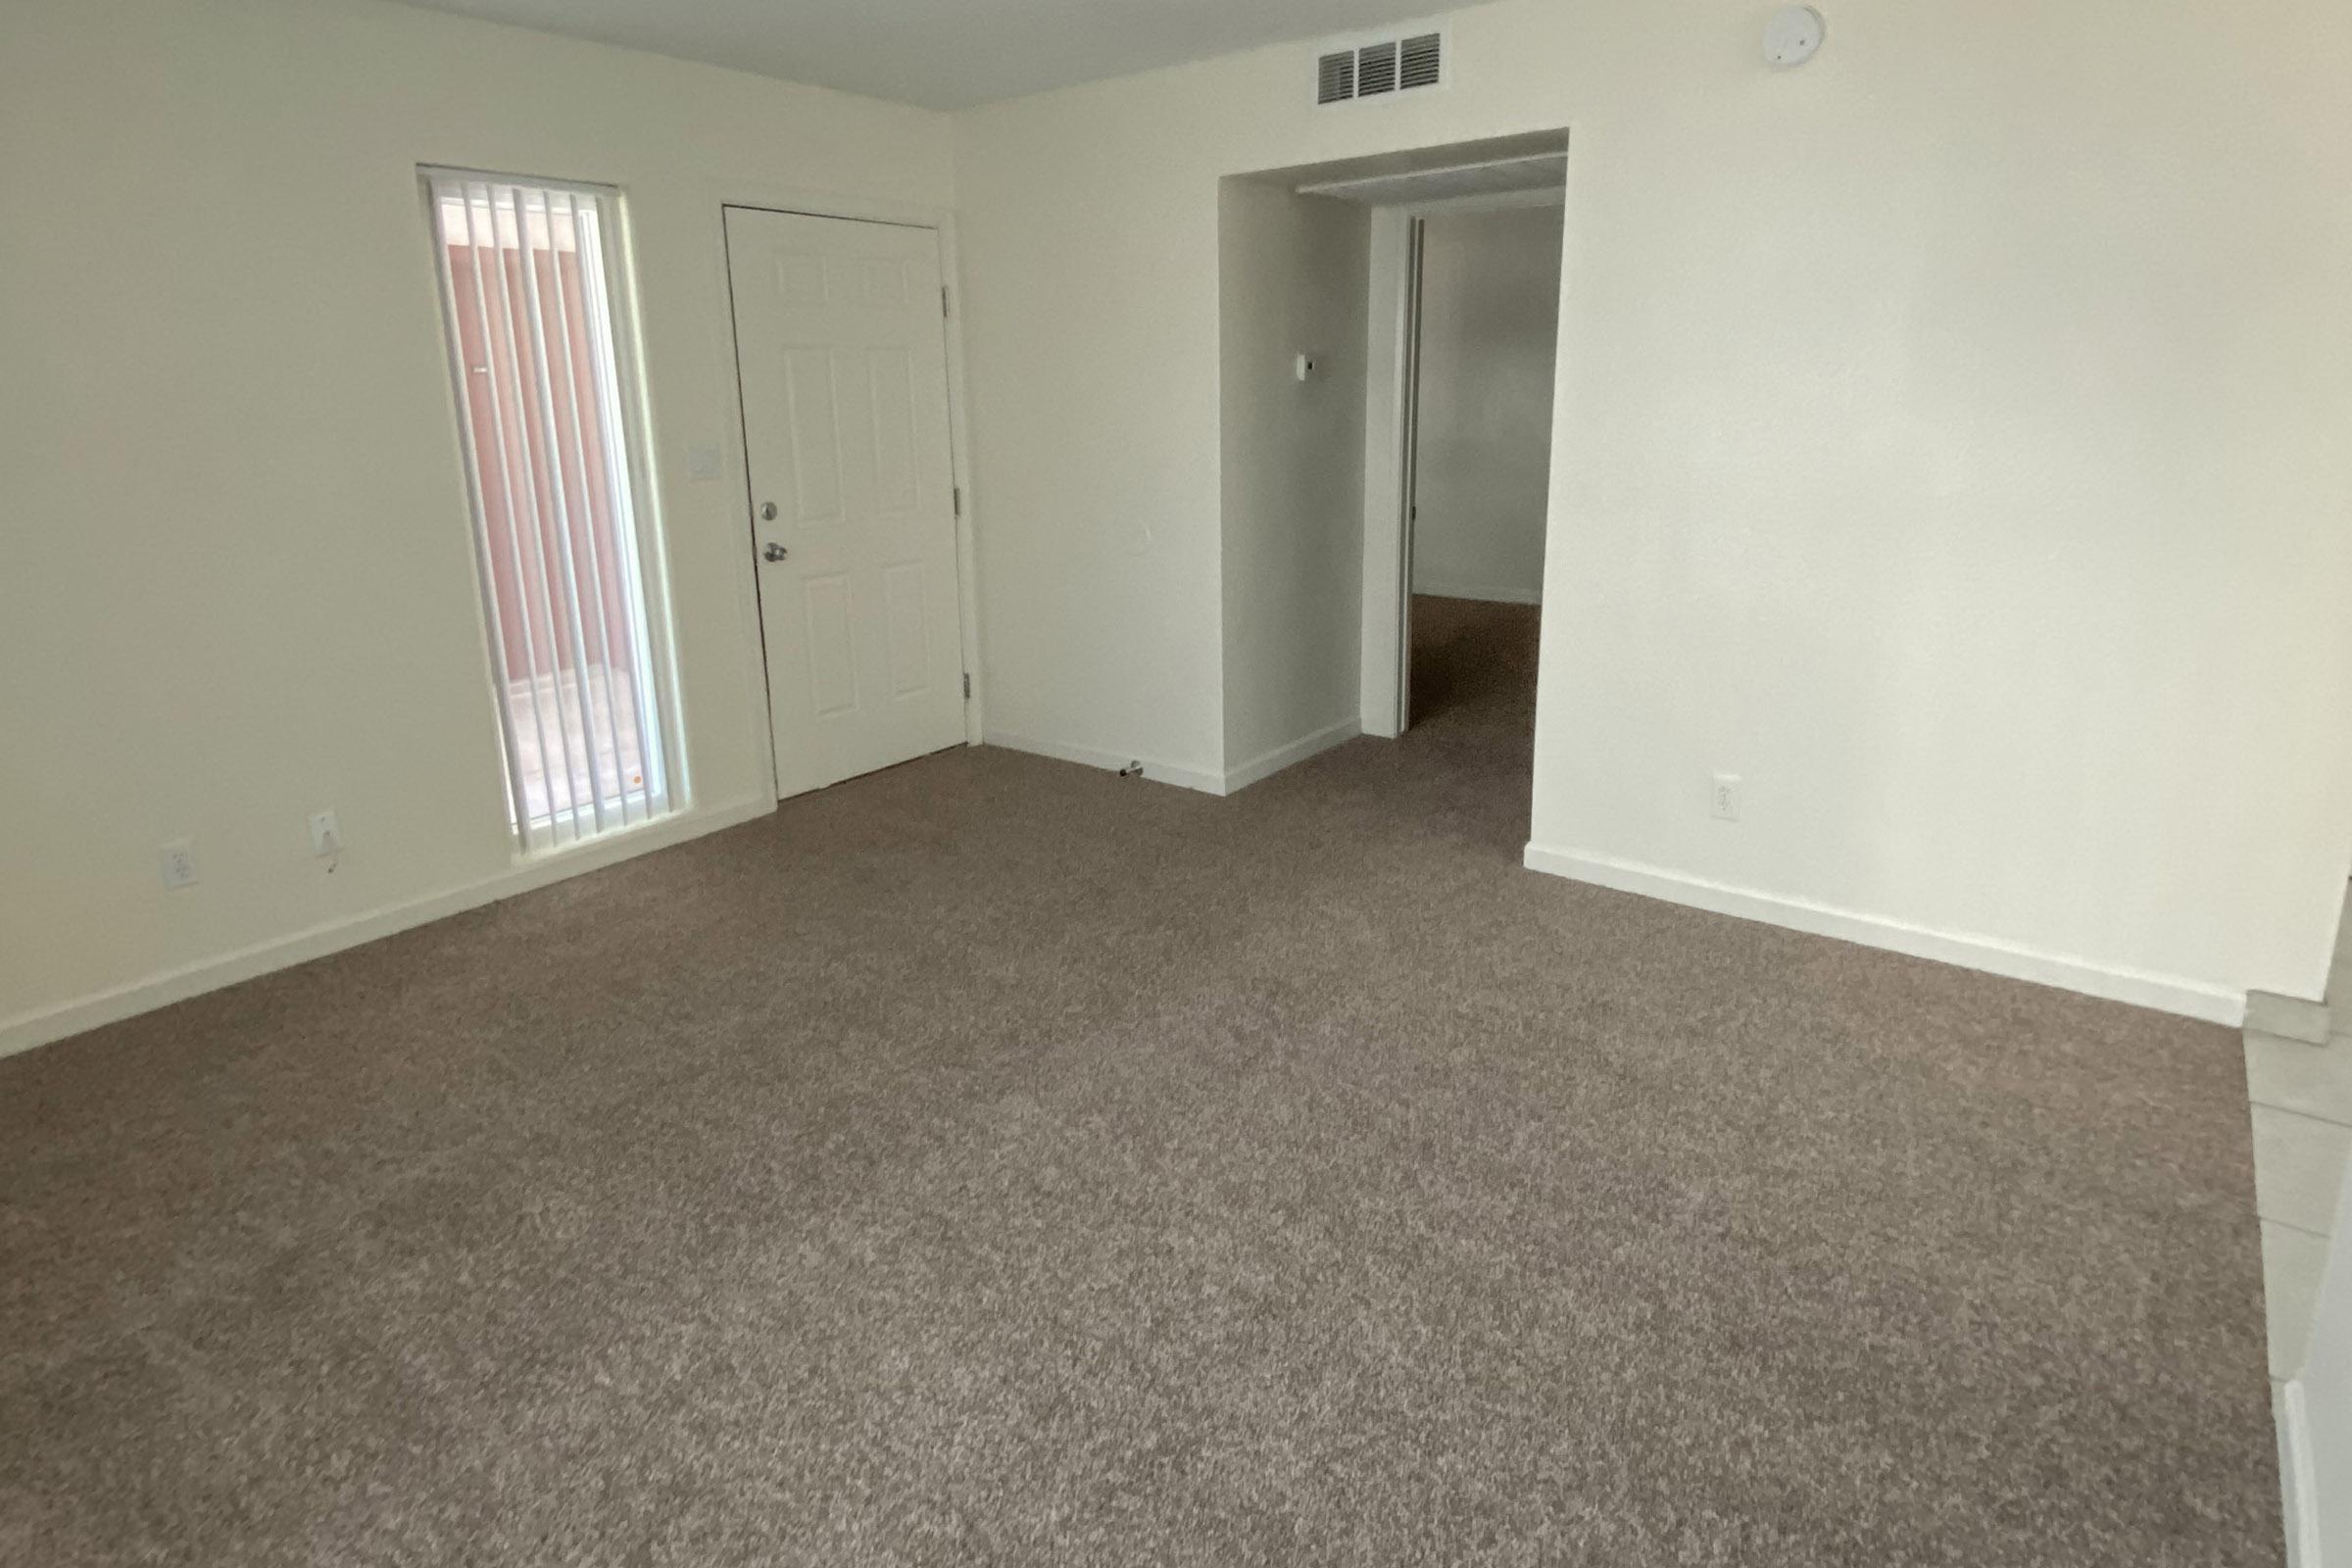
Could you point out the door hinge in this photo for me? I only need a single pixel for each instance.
(967, 685)
(943, 300)
(958, 494)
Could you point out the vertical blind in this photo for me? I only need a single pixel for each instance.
(532, 302)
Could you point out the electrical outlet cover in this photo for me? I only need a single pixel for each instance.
(1723, 798)
(177, 861)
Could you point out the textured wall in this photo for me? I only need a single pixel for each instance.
(1490, 325)
(1294, 272)
(1948, 438)
(240, 553)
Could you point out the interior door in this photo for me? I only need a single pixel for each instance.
(842, 353)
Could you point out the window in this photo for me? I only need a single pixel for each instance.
(534, 301)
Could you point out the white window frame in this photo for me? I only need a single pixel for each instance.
(666, 790)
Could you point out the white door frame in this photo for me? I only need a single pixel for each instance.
(1391, 376)
(818, 204)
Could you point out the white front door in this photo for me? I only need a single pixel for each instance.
(842, 351)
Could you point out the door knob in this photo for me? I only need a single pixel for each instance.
(767, 512)
(775, 552)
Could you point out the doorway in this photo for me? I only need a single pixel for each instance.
(1320, 277)
(841, 359)
(1478, 462)
(1461, 355)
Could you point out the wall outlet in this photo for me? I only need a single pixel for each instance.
(1723, 798)
(177, 861)
(327, 837)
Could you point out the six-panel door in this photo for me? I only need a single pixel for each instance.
(841, 348)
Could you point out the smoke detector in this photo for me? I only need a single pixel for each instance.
(1792, 35)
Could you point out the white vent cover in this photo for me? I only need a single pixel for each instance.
(1421, 61)
(1379, 68)
(1335, 76)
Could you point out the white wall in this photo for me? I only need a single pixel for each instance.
(1293, 274)
(1490, 323)
(1949, 437)
(239, 584)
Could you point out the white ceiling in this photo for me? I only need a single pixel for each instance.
(944, 54)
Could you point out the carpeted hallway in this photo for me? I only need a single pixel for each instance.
(996, 1161)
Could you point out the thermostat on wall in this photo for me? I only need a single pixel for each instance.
(1792, 35)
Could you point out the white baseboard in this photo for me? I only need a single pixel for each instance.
(30, 1029)
(1191, 778)
(1493, 596)
(1268, 763)
(2298, 1481)
(2194, 998)
(1264, 765)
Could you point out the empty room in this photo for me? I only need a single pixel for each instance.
(1050, 781)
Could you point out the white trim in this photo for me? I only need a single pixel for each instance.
(2298, 1485)
(1264, 766)
(959, 448)
(27, 1030)
(655, 586)
(2194, 998)
(1191, 778)
(1492, 596)
(1355, 182)
(1384, 676)
(1546, 192)
(1492, 201)
(1267, 764)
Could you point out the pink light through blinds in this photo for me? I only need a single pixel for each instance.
(527, 292)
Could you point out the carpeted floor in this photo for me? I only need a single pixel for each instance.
(998, 1161)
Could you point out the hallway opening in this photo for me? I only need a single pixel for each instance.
(1387, 332)
(1474, 667)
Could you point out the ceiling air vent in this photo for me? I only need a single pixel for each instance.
(1419, 60)
(1379, 68)
(1335, 76)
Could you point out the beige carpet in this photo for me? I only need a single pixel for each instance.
(998, 1161)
